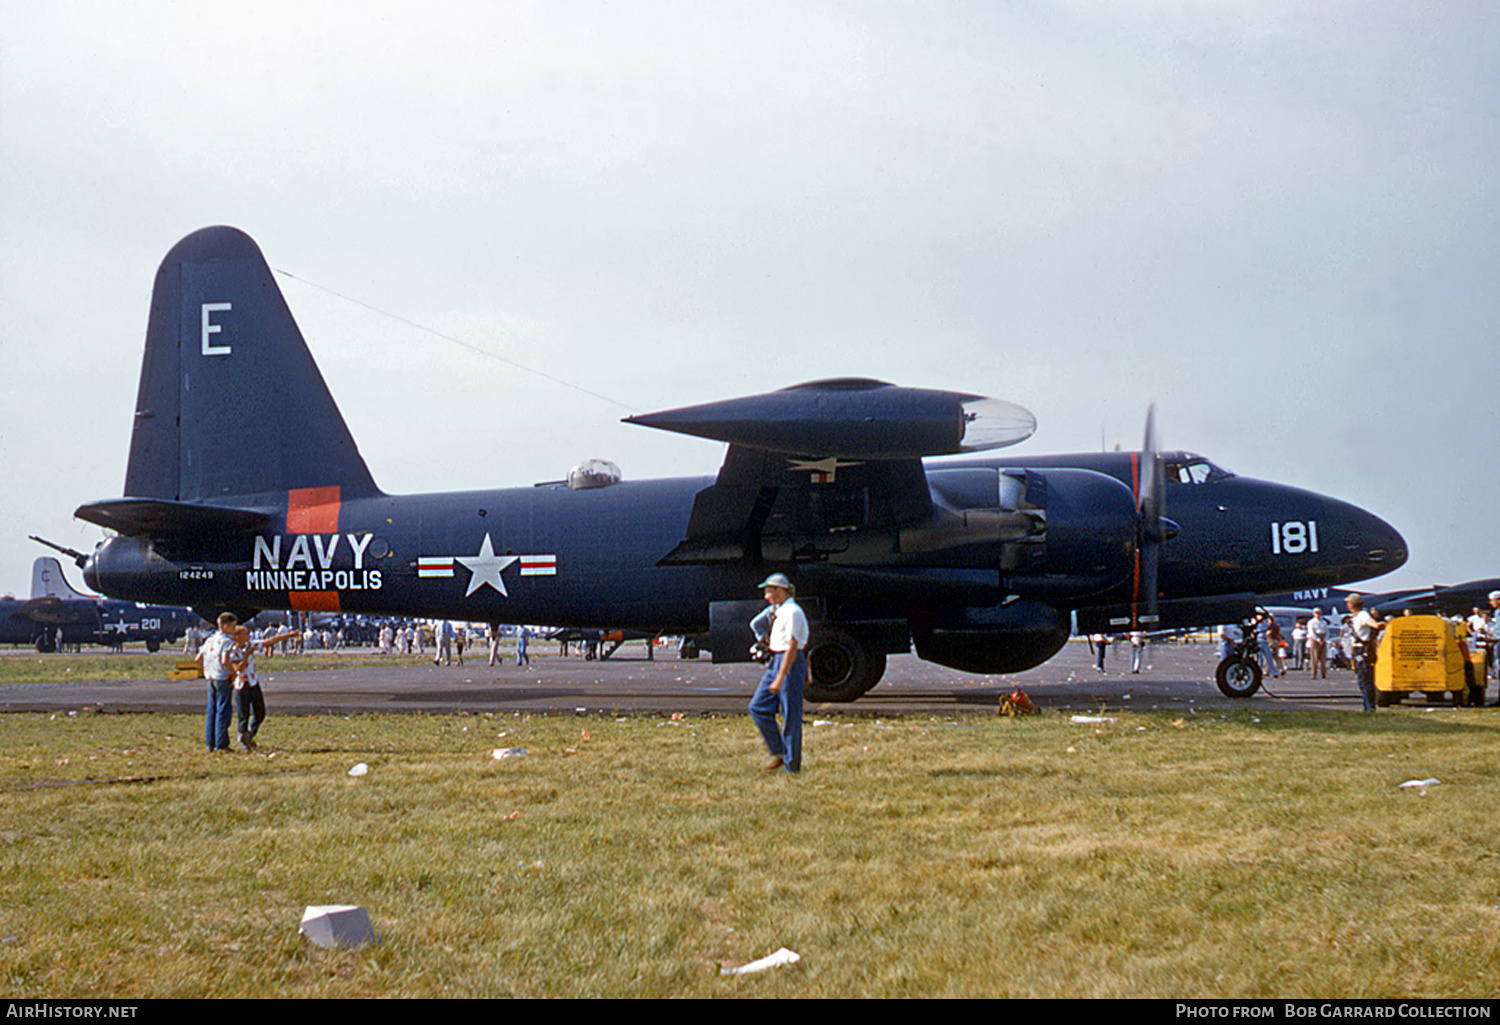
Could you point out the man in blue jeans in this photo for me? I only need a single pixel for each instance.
(780, 688)
(1365, 629)
(218, 669)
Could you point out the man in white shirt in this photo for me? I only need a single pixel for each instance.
(1492, 634)
(1365, 629)
(1478, 625)
(780, 688)
(214, 657)
(1317, 644)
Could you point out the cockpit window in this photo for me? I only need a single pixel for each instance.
(1193, 469)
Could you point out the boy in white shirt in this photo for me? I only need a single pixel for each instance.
(249, 701)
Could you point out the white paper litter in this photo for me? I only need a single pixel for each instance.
(359, 770)
(1420, 782)
(781, 957)
(1089, 719)
(507, 752)
(337, 925)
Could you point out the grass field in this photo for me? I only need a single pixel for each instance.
(1248, 854)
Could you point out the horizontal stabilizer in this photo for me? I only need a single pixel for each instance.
(855, 418)
(160, 518)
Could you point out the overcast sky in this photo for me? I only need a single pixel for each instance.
(1278, 219)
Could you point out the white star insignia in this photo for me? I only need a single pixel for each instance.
(485, 568)
(823, 470)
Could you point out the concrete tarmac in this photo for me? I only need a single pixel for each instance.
(1173, 677)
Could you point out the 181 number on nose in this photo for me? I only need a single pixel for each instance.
(1294, 537)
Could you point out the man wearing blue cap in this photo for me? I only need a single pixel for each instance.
(780, 687)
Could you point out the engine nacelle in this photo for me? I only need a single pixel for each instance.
(1056, 535)
(1090, 539)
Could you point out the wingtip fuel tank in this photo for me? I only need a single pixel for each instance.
(854, 417)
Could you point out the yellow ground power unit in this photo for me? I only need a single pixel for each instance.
(1419, 653)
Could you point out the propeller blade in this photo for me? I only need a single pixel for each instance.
(1152, 496)
(1151, 500)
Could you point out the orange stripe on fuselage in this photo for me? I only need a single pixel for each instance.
(312, 510)
(314, 601)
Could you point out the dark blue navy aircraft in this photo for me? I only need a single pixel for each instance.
(57, 611)
(1437, 600)
(245, 490)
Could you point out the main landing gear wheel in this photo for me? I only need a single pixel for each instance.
(840, 666)
(1238, 677)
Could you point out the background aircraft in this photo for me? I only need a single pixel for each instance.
(244, 490)
(1439, 599)
(84, 619)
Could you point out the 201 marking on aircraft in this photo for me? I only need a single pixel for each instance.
(56, 611)
(244, 490)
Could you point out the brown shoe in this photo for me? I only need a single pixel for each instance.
(776, 763)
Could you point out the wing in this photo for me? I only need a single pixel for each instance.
(51, 609)
(817, 469)
(770, 506)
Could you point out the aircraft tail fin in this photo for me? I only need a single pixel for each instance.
(47, 580)
(230, 400)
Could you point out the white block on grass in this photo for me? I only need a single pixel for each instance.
(337, 925)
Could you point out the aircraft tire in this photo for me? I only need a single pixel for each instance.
(153, 645)
(1238, 678)
(840, 666)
